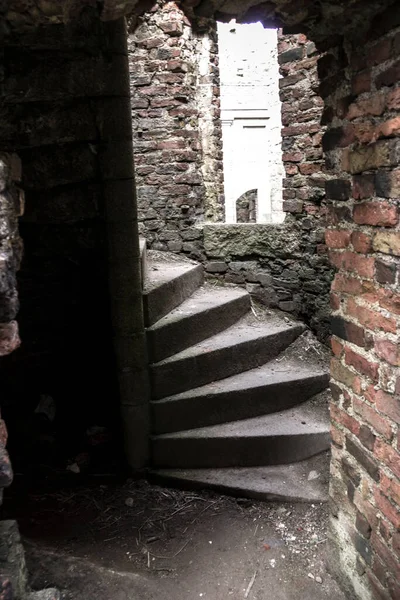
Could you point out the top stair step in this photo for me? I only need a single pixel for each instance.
(168, 284)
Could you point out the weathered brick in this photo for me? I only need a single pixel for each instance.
(365, 158)
(385, 272)
(9, 337)
(388, 128)
(393, 99)
(388, 183)
(377, 589)
(362, 457)
(391, 513)
(337, 239)
(337, 346)
(388, 455)
(172, 28)
(362, 546)
(379, 52)
(343, 418)
(388, 76)
(355, 263)
(362, 364)
(346, 330)
(346, 284)
(337, 436)
(338, 189)
(379, 423)
(387, 242)
(291, 55)
(292, 206)
(388, 405)
(350, 470)
(363, 186)
(391, 488)
(388, 351)
(366, 437)
(361, 242)
(372, 319)
(375, 213)
(361, 82)
(363, 526)
(342, 374)
(373, 105)
(389, 300)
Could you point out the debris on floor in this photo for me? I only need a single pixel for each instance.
(103, 539)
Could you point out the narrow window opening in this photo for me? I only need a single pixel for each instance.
(251, 122)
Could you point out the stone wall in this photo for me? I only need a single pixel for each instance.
(360, 85)
(176, 127)
(56, 109)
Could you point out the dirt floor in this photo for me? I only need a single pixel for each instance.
(134, 541)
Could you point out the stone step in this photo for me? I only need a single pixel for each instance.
(208, 311)
(305, 481)
(275, 386)
(280, 438)
(168, 284)
(239, 348)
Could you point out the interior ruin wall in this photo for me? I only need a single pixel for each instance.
(360, 86)
(59, 99)
(176, 127)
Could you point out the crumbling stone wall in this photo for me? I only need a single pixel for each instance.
(286, 266)
(176, 127)
(360, 85)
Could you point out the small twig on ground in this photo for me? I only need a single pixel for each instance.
(174, 555)
(252, 580)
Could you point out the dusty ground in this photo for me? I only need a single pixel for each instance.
(134, 541)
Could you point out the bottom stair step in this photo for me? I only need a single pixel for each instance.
(280, 438)
(305, 481)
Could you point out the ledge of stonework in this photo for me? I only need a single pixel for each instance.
(223, 240)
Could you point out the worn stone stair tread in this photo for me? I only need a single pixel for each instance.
(280, 438)
(209, 310)
(275, 386)
(167, 285)
(285, 422)
(305, 481)
(239, 348)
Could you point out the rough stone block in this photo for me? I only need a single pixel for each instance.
(216, 267)
(222, 241)
(387, 242)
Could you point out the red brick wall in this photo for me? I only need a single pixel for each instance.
(360, 85)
